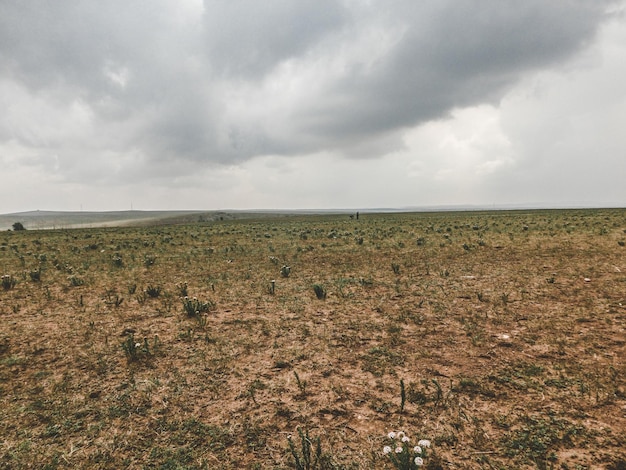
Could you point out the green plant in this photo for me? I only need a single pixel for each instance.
(402, 396)
(35, 275)
(8, 282)
(18, 226)
(395, 267)
(301, 384)
(112, 298)
(149, 260)
(537, 437)
(202, 320)
(182, 289)
(309, 456)
(135, 350)
(117, 260)
(402, 455)
(76, 281)
(153, 291)
(320, 292)
(285, 271)
(141, 298)
(194, 307)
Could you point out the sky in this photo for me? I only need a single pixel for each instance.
(311, 104)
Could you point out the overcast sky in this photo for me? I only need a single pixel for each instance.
(278, 104)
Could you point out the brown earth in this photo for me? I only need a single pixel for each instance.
(505, 330)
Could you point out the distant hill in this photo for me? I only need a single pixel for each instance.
(38, 220)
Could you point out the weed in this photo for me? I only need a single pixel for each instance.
(117, 260)
(35, 274)
(194, 307)
(202, 320)
(380, 360)
(111, 298)
(417, 396)
(301, 384)
(76, 281)
(182, 289)
(320, 292)
(310, 455)
(253, 387)
(153, 291)
(136, 351)
(8, 282)
(538, 436)
(402, 454)
(285, 271)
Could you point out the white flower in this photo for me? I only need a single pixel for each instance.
(405, 439)
(137, 345)
(401, 435)
(417, 449)
(419, 461)
(391, 435)
(386, 450)
(424, 443)
(399, 450)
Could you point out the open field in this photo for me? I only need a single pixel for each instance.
(499, 336)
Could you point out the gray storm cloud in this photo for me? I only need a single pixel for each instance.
(131, 86)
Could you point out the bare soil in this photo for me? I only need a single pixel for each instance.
(498, 336)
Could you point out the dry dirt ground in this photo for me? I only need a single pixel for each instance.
(498, 336)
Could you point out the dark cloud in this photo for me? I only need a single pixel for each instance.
(246, 38)
(455, 54)
(229, 80)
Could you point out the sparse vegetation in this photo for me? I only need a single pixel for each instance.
(496, 335)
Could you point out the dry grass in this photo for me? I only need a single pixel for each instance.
(507, 330)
